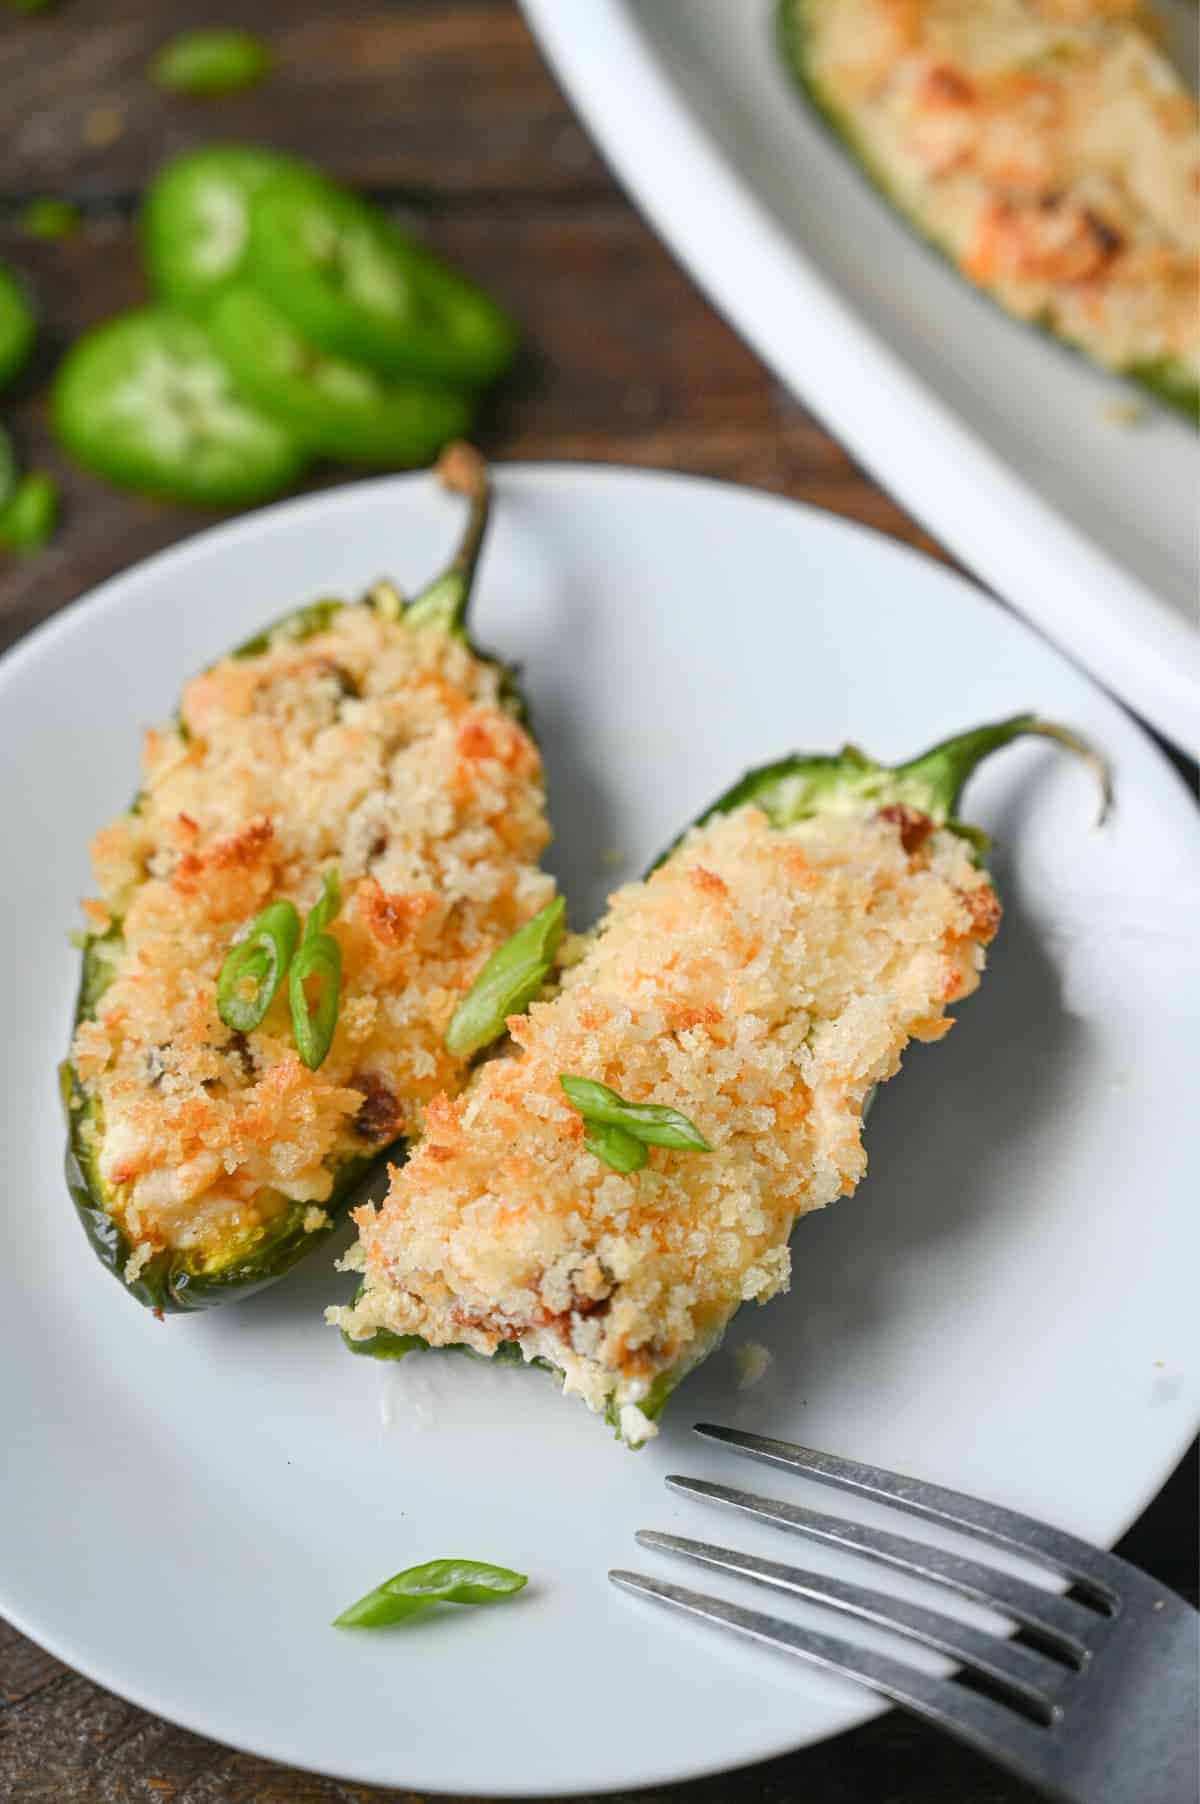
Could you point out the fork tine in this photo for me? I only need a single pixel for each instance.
(1098, 1572)
(1067, 1625)
(978, 1720)
(1017, 1669)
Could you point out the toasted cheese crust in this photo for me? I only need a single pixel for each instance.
(761, 981)
(1047, 146)
(373, 747)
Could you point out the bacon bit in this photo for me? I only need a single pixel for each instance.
(707, 882)
(943, 86)
(439, 1154)
(914, 824)
(1105, 236)
(380, 1118)
(186, 821)
(158, 1314)
(983, 906)
(389, 918)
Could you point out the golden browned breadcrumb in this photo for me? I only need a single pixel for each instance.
(761, 981)
(372, 747)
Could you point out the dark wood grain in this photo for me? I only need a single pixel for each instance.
(442, 109)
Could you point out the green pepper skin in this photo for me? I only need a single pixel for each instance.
(169, 1283)
(1168, 382)
(796, 788)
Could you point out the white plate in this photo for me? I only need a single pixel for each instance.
(992, 436)
(1005, 1305)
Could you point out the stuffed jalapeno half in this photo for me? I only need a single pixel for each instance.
(360, 768)
(1046, 146)
(607, 1199)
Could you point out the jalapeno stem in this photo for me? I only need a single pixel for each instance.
(848, 782)
(943, 771)
(444, 602)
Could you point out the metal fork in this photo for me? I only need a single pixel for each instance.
(1098, 1705)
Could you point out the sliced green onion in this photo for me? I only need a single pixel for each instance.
(648, 1122)
(325, 909)
(255, 965)
(49, 217)
(508, 982)
(438, 1581)
(216, 61)
(321, 958)
(614, 1146)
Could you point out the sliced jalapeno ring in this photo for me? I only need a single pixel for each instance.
(196, 220)
(357, 287)
(146, 400)
(319, 959)
(335, 408)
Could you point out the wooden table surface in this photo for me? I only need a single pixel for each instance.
(442, 110)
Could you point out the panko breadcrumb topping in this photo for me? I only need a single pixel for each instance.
(381, 750)
(763, 982)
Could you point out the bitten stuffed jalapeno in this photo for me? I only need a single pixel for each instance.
(337, 831)
(607, 1200)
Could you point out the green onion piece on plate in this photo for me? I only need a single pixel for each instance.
(508, 982)
(217, 61)
(437, 1581)
(254, 967)
(648, 1122)
(319, 959)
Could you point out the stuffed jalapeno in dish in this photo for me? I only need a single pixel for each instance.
(340, 826)
(1046, 146)
(604, 1201)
